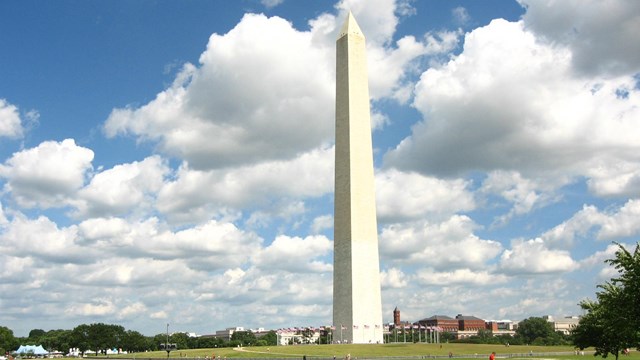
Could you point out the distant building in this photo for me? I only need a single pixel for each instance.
(564, 325)
(470, 323)
(445, 323)
(228, 332)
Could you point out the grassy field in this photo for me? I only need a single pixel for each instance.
(397, 350)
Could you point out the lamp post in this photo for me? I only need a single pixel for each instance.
(166, 344)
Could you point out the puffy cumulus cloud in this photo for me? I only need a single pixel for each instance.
(614, 177)
(212, 245)
(393, 278)
(10, 122)
(321, 223)
(15, 270)
(533, 257)
(122, 188)
(600, 34)
(308, 175)
(543, 296)
(525, 194)
(41, 239)
(295, 254)
(621, 223)
(262, 91)
(97, 307)
(265, 90)
(597, 261)
(443, 246)
(47, 175)
(409, 195)
(240, 291)
(613, 224)
(511, 102)
(565, 234)
(459, 276)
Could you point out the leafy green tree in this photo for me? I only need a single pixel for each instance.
(209, 342)
(533, 328)
(180, 339)
(35, 336)
(56, 340)
(80, 338)
(7, 340)
(628, 266)
(243, 337)
(611, 323)
(157, 340)
(271, 338)
(134, 341)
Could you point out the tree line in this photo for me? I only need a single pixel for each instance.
(99, 337)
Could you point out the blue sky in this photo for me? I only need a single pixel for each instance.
(172, 162)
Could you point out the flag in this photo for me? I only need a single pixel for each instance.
(355, 326)
(343, 327)
(366, 326)
(377, 326)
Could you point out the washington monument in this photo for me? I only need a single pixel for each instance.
(357, 309)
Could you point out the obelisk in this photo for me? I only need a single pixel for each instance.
(357, 309)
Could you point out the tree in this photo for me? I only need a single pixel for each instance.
(611, 323)
(35, 335)
(134, 341)
(628, 266)
(243, 337)
(533, 328)
(7, 340)
(271, 338)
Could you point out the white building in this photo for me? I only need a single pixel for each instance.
(564, 325)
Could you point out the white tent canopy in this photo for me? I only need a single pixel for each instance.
(32, 349)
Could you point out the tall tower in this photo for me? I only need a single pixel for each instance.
(396, 317)
(357, 309)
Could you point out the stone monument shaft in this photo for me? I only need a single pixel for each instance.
(357, 309)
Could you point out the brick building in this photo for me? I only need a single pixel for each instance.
(443, 322)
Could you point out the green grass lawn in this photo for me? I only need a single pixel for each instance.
(405, 350)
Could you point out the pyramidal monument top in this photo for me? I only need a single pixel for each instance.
(350, 26)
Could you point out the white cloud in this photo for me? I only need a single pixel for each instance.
(530, 114)
(308, 175)
(460, 15)
(47, 175)
(245, 102)
(321, 223)
(122, 188)
(428, 276)
(443, 246)
(614, 224)
(43, 240)
(10, 122)
(533, 257)
(401, 195)
(525, 194)
(597, 32)
(296, 255)
(393, 278)
(564, 235)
